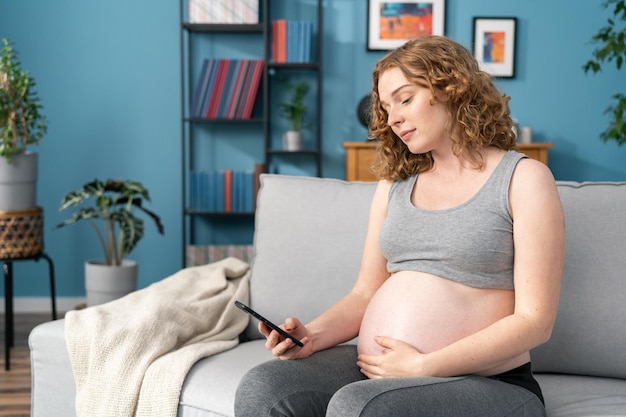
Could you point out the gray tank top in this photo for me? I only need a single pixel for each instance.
(471, 244)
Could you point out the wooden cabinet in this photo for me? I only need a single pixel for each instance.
(360, 155)
(359, 158)
(538, 151)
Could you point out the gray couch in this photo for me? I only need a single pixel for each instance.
(308, 240)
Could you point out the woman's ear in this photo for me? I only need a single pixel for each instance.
(438, 96)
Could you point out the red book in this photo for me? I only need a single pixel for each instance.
(216, 95)
(279, 40)
(228, 190)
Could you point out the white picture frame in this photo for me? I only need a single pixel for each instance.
(494, 44)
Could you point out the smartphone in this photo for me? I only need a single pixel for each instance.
(267, 322)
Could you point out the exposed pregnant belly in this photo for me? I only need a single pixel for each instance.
(429, 312)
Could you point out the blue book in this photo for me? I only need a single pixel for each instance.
(301, 40)
(245, 90)
(308, 35)
(249, 192)
(192, 190)
(197, 93)
(219, 191)
(292, 40)
(240, 80)
(229, 88)
(209, 89)
(203, 92)
(203, 190)
(235, 192)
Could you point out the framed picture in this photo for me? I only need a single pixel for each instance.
(494, 45)
(391, 23)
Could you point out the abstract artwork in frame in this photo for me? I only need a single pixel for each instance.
(494, 45)
(392, 23)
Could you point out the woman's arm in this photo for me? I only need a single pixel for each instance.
(341, 322)
(539, 240)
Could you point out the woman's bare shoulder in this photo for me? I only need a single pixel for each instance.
(531, 173)
(533, 187)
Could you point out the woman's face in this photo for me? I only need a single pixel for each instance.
(420, 121)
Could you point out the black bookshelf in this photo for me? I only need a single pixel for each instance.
(263, 114)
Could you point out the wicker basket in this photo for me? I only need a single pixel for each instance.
(21, 233)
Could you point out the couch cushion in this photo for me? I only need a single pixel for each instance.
(209, 389)
(309, 235)
(581, 396)
(589, 336)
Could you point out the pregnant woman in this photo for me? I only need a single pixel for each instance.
(461, 269)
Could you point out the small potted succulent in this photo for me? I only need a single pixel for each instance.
(294, 110)
(21, 123)
(115, 203)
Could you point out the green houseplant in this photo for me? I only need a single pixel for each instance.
(611, 41)
(293, 111)
(21, 120)
(115, 203)
(22, 123)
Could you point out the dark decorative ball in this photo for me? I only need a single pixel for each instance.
(364, 109)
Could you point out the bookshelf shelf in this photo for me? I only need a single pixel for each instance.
(294, 65)
(224, 28)
(254, 120)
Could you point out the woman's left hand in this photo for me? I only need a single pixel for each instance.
(399, 359)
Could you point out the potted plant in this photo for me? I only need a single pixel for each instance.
(21, 123)
(115, 203)
(612, 41)
(294, 110)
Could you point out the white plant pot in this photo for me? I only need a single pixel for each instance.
(292, 140)
(18, 182)
(106, 283)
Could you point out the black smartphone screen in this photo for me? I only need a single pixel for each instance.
(267, 322)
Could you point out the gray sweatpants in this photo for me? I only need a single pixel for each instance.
(330, 384)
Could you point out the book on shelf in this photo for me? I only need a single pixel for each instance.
(226, 88)
(253, 89)
(208, 85)
(224, 191)
(238, 88)
(291, 41)
(197, 96)
(216, 93)
(224, 11)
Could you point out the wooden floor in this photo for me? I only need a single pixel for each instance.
(15, 384)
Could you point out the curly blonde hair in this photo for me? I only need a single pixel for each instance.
(479, 114)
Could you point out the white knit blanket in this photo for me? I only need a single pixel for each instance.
(130, 356)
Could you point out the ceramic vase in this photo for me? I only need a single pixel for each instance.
(292, 140)
(18, 182)
(106, 283)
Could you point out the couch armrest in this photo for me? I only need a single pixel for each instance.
(53, 388)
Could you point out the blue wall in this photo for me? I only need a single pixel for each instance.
(108, 74)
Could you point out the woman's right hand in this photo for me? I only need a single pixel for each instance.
(284, 348)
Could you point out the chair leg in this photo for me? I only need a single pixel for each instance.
(8, 313)
(52, 291)
(8, 302)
